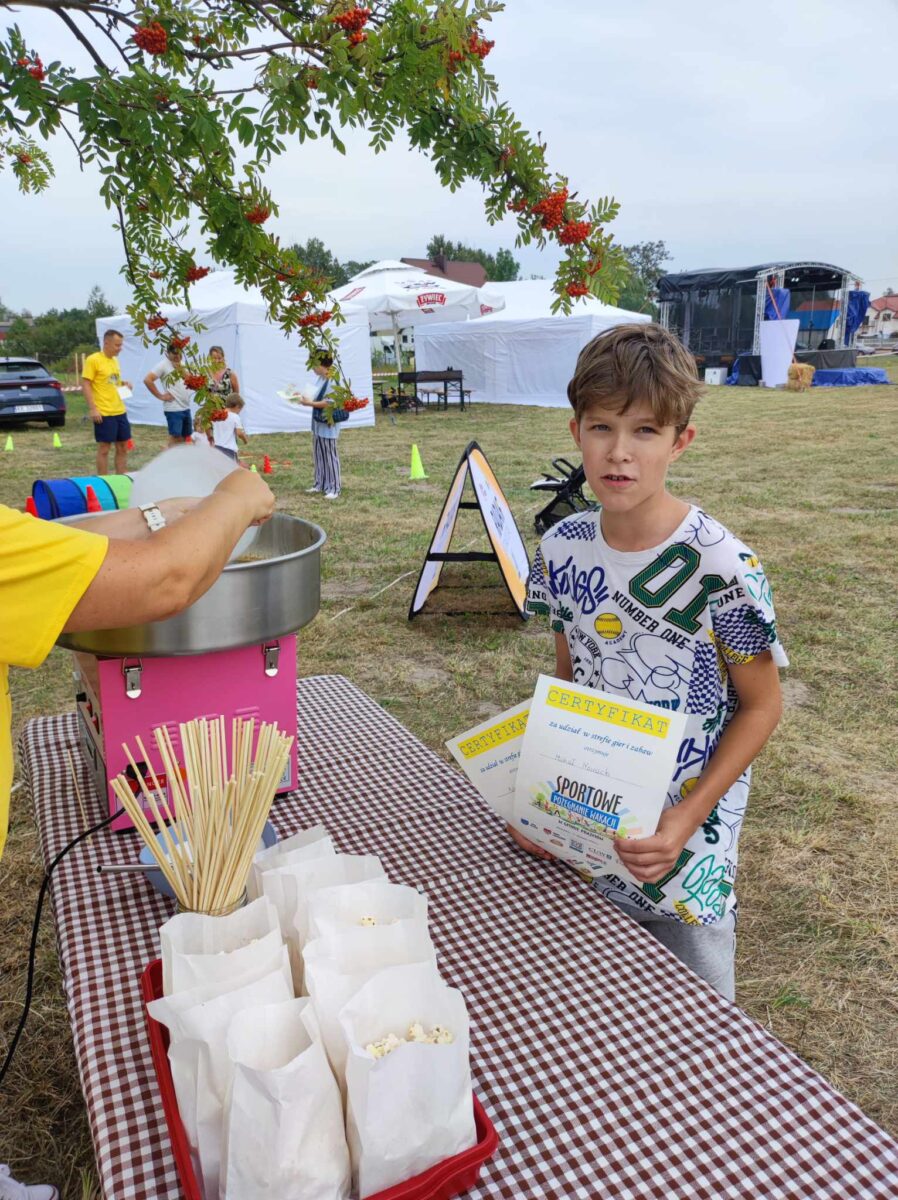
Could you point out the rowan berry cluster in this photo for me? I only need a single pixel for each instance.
(194, 382)
(297, 297)
(218, 414)
(577, 289)
(152, 38)
(24, 159)
(317, 319)
(352, 21)
(192, 274)
(179, 343)
(356, 39)
(551, 209)
(258, 215)
(34, 67)
(574, 232)
(156, 322)
(479, 46)
(353, 404)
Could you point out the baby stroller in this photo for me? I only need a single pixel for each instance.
(566, 489)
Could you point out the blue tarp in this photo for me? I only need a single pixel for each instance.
(821, 319)
(850, 377)
(783, 298)
(858, 303)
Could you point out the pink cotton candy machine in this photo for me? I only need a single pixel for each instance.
(231, 654)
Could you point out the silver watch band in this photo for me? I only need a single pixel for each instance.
(152, 514)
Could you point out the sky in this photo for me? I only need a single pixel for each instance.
(736, 132)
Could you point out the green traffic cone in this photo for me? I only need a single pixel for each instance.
(57, 442)
(8, 446)
(253, 468)
(417, 471)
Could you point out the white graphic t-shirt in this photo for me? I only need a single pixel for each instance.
(660, 626)
(169, 376)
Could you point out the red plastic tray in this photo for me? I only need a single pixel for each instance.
(452, 1177)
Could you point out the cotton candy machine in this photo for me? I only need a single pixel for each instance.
(231, 654)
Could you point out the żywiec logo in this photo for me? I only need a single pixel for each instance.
(430, 299)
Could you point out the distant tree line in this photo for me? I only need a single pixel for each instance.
(54, 336)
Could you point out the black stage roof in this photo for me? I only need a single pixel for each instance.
(670, 287)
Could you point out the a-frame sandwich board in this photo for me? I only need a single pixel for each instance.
(508, 549)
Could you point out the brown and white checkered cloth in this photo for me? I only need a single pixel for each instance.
(610, 1071)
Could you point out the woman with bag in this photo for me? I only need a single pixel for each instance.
(325, 459)
(222, 380)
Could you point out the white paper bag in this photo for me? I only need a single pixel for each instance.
(308, 843)
(195, 936)
(284, 1135)
(336, 967)
(289, 888)
(414, 1107)
(333, 908)
(201, 1068)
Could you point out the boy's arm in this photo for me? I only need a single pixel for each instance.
(564, 669)
(760, 707)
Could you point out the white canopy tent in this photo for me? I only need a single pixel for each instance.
(266, 360)
(398, 296)
(522, 354)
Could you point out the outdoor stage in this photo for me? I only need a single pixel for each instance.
(748, 366)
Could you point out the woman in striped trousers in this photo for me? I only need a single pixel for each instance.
(325, 457)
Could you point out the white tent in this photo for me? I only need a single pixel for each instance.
(523, 354)
(266, 360)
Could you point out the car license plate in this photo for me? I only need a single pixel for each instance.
(27, 408)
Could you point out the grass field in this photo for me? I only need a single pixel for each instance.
(809, 480)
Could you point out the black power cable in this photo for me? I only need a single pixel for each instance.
(26, 1008)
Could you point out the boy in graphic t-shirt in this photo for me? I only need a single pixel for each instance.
(652, 599)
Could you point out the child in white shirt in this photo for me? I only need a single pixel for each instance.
(226, 432)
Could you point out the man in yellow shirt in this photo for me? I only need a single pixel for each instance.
(101, 379)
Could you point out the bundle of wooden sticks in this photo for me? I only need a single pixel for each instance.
(217, 808)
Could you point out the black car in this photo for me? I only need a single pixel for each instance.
(28, 392)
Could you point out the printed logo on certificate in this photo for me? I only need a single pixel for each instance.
(593, 767)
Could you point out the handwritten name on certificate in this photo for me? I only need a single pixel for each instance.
(593, 767)
(488, 754)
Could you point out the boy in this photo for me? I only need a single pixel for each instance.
(325, 458)
(225, 433)
(176, 397)
(652, 599)
(101, 378)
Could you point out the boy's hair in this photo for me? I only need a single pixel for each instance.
(235, 401)
(111, 333)
(633, 363)
(323, 359)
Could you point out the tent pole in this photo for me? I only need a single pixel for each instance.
(397, 348)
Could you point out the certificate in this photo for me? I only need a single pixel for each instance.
(593, 767)
(488, 754)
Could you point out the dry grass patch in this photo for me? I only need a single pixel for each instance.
(810, 480)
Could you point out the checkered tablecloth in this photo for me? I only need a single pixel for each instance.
(609, 1070)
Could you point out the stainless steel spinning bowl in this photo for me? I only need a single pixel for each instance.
(250, 602)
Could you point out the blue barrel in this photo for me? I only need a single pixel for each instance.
(102, 491)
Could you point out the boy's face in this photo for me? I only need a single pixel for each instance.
(626, 455)
(321, 371)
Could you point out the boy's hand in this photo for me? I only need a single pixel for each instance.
(648, 859)
(526, 844)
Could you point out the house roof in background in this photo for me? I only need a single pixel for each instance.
(471, 273)
(885, 303)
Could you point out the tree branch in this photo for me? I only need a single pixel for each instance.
(67, 20)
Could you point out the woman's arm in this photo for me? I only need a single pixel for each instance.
(152, 578)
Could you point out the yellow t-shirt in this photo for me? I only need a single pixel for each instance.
(104, 373)
(45, 569)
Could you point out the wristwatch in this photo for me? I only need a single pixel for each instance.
(153, 517)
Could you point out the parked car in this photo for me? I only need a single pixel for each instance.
(28, 392)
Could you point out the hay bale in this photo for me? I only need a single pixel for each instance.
(800, 377)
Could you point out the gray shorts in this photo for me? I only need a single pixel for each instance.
(709, 950)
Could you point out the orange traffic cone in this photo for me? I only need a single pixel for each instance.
(266, 466)
(130, 443)
(30, 506)
(93, 504)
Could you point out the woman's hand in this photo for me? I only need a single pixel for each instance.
(252, 491)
